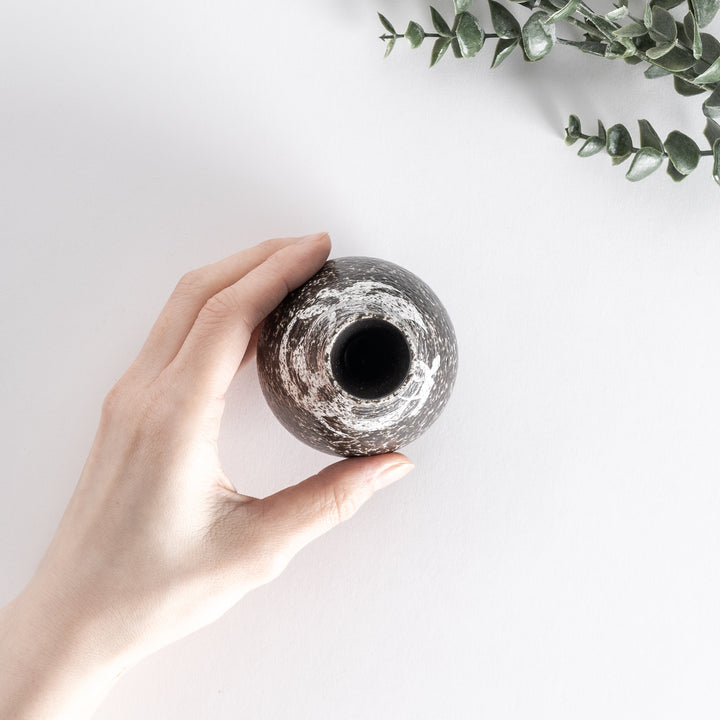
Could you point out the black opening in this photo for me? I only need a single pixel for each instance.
(370, 358)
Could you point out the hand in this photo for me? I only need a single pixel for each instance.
(156, 542)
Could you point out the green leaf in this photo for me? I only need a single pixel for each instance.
(503, 21)
(573, 130)
(716, 161)
(415, 34)
(617, 14)
(591, 48)
(704, 10)
(674, 173)
(601, 132)
(654, 71)
(633, 29)
(667, 4)
(683, 87)
(591, 146)
(659, 51)
(711, 48)
(470, 36)
(455, 45)
(503, 48)
(712, 131)
(711, 75)
(538, 40)
(619, 143)
(662, 29)
(439, 24)
(387, 24)
(684, 154)
(462, 5)
(439, 48)
(648, 137)
(390, 44)
(565, 11)
(647, 15)
(676, 60)
(711, 107)
(646, 161)
(697, 50)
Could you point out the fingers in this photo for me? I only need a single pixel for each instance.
(214, 348)
(192, 292)
(297, 515)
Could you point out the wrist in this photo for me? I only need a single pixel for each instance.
(57, 663)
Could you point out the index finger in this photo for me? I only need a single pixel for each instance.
(214, 348)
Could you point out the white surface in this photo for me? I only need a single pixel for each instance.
(555, 552)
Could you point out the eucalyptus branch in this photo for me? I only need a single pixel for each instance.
(668, 46)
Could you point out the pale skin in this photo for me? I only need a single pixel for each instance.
(156, 541)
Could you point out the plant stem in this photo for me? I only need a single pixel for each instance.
(703, 153)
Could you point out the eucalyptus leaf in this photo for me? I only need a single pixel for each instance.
(683, 87)
(674, 173)
(617, 14)
(648, 137)
(439, 24)
(704, 10)
(632, 60)
(659, 50)
(573, 130)
(455, 45)
(647, 15)
(470, 36)
(662, 29)
(462, 5)
(667, 4)
(631, 30)
(711, 48)
(654, 71)
(619, 143)
(602, 134)
(683, 152)
(390, 44)
(415, 34)
(622, 48)
(716, 161)
(503, 21)
(712, 131)
(439, 48)
(589, 47)
(538, 40)
(697, 46)
(387, 24)
(711, 75)
(591, 146)
(565, 11)
(677, 60)
(711, 107)
(646, 161)
(503, 48)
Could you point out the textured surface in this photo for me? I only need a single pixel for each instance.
(296, 341)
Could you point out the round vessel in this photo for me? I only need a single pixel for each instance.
(359, 360)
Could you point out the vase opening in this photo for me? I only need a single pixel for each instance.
(370, 358)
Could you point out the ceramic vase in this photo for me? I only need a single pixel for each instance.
(359, 360)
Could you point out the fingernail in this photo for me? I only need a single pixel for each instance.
(307, 239)
(392, 473)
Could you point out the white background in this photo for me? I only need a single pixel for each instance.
(555, 552)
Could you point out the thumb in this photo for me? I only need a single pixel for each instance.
(298, 514)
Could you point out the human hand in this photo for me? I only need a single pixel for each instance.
(156, 542)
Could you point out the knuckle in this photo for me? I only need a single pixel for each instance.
(191, 283)
(219, 306)
(116, 400)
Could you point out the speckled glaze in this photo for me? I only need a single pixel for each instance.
(295, 358)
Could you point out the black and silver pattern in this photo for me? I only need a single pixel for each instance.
(359, 360)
